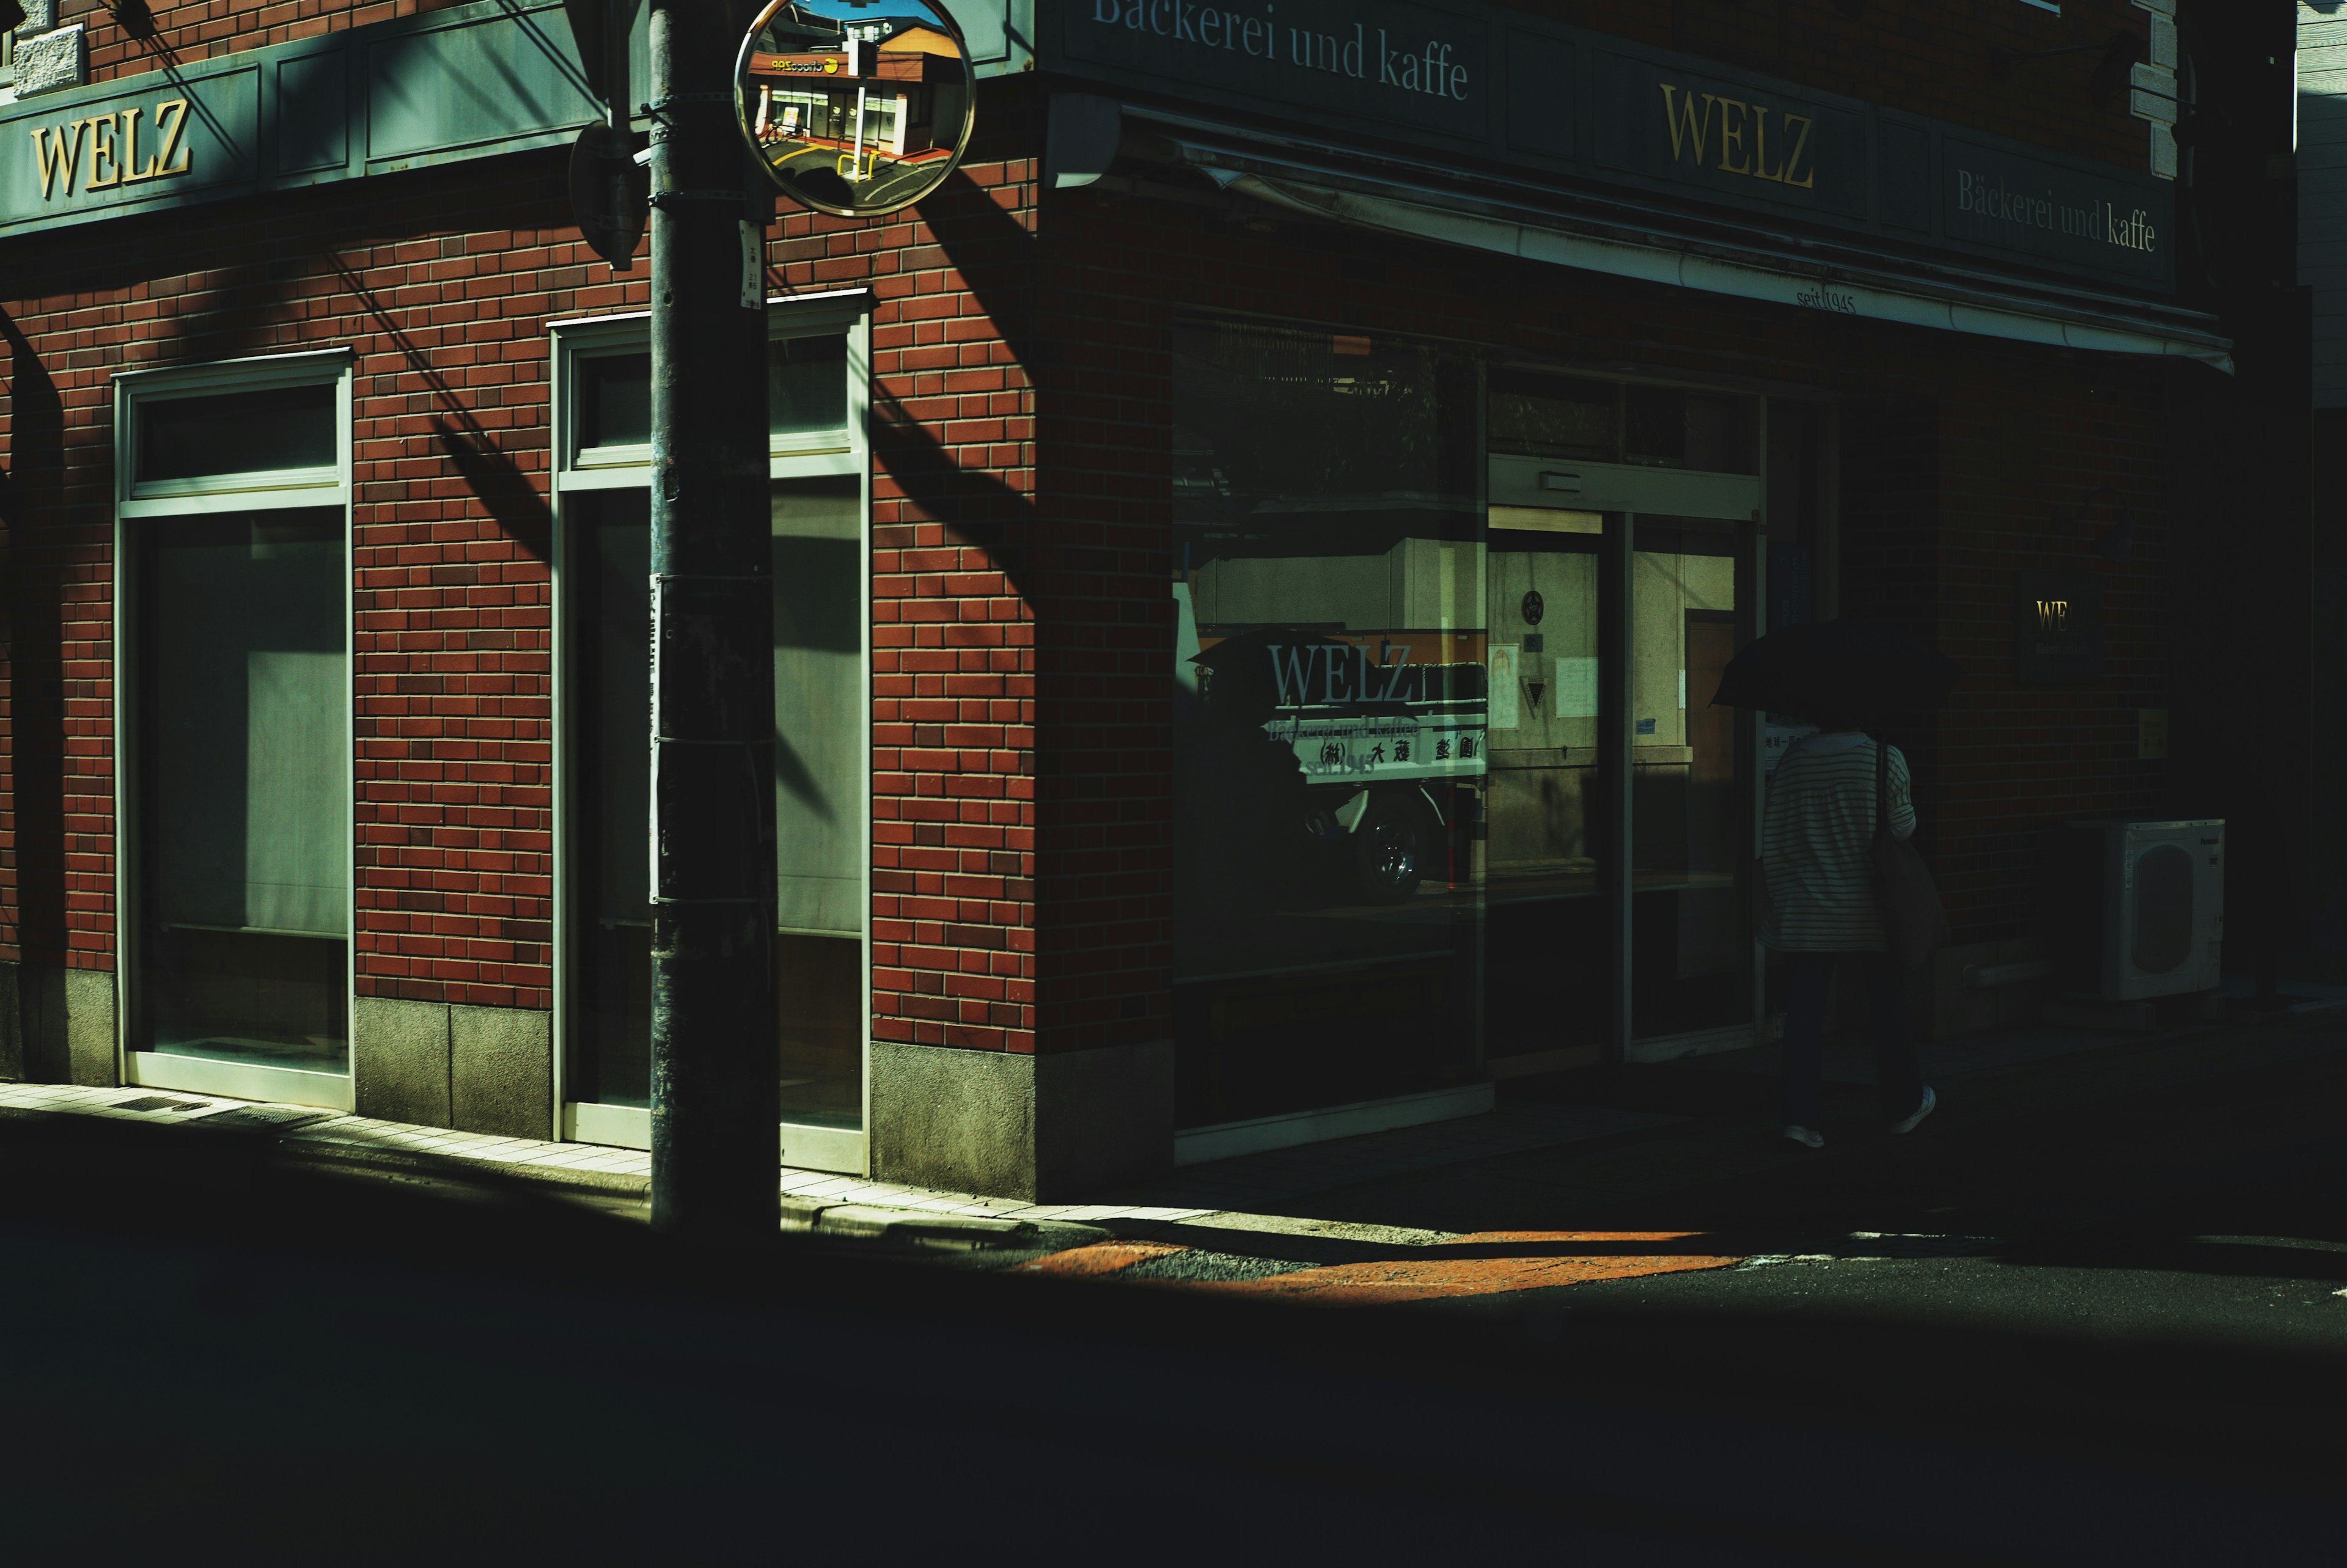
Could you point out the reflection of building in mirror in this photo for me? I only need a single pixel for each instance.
(861, 103)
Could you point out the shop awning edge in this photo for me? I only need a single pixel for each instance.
(1836, 292)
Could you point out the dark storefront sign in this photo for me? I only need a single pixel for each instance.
(2001, 199)
(1467, 82)
(379, 99)
(1722, 136)
(2057, 629)
(1402, 67)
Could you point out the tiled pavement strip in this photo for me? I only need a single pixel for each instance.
(1156, 1236)
(1132, 1238)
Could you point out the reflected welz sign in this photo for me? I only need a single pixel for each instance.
(1394, 62)
(1358, 713)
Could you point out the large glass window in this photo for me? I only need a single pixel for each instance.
(272, 429)
(1446, 774)
(1331, 724)
(822, 769)
(607, 734)
(822, 755)
(235, 726)
(244, 746)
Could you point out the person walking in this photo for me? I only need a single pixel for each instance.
(1822, 914)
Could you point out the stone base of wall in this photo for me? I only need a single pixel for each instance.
(1045, 1128)
(476, 1069)
(57, 1025)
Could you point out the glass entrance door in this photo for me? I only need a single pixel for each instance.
(233, 728)
(1621, 570)
(1546, 851)
(1691, 942)
(819, 780)
(823, 751)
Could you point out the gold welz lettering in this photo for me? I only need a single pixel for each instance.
(101, 153)
(1742, 135)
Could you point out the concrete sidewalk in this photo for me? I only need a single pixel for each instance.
(1551, 1155)
(1224, 1192)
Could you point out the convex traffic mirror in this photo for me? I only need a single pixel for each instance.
(856, 108)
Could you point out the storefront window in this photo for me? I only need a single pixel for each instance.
(244, 741)
(615, 400)
(607, 734)
(1330, 720)
(1450, 797)
(822, 757)
(269, 430)
(236, 730)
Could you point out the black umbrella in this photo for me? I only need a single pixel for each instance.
(1843, 671)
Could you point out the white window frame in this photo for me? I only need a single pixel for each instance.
(151, 505)
(268, 487)
(796, 455)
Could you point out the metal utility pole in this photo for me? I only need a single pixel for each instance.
(715, 1091)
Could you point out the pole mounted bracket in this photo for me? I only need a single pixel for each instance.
(658, 107)
(662, 198)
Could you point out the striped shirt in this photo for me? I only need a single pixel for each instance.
(1820, 821)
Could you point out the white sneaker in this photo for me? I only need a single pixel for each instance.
(1805, 1137)
(1930, 1100)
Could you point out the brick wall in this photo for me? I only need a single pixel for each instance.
(976, 601)
(443, 283)
(446, 313)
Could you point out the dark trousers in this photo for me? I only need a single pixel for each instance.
(1809, 977)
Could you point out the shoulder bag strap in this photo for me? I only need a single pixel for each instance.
(1881, 788)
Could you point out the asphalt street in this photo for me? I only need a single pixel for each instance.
(2087, 1313)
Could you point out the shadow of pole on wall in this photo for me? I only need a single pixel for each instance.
(36, 570)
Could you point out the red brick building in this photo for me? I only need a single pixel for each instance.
(1478, 378)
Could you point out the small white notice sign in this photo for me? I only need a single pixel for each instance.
(1576, 688)
(1506, 663)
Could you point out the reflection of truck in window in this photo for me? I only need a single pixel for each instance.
(1385, 727)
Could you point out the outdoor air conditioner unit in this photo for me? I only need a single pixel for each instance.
(2145, 911)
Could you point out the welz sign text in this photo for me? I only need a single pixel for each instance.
(1741, 140)
(102, 152)
(1386, 62)
(1689, 129)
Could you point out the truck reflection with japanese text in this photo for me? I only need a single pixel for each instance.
(1380, 736)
